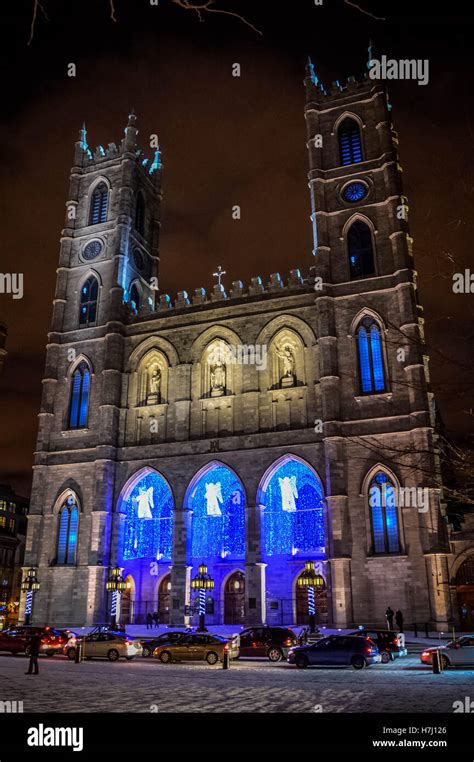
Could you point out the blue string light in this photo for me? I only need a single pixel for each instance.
(293, 518)
(149, 519)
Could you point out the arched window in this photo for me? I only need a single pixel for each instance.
(217, 500)
(350, 146)
(148, 507)
(67, 535)
(369, 345)
(360, 250)
(88, 307)
(135, 298)
(383, 514)
(79, 406)
(140, 214)
(293, 516)
(99, 204)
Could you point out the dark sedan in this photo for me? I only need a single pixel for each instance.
(149, 644)
(336, 651)
(391, 644)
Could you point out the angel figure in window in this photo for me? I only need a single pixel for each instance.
(213, 498)
(288, 491)
(145, 503)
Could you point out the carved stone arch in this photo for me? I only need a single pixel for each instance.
(299, 326)
(130, 483)
(88, 274)
(274, 466)
(363, 218)
(347, 115)
(363, 313)
(75, 364)
(397, 483)
(205, 469)
(95, 184)
(152, 381)
(153, 342)
(69, 489)
(373, 470)
(286, 363)
(458, 562)
(221, 332)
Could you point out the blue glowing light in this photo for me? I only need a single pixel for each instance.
(156, 162)
(355, 192)
(293, 516)
(79, 406)
(370, 358)
(350, 145)
(67, 535)
(149, 519)
(384, 514)
(218, 523)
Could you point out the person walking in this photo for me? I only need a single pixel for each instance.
(149, 620)
(156, 619)
(389, 614)
(399, 620)
(35, 645)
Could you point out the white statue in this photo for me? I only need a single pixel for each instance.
(218, 378)
(155, 381)
(285, 354)
(213, 498)
(288, 491)
(145, 503)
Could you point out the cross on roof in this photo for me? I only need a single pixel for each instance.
(220, 272)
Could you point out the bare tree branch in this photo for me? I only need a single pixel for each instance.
(362, 10)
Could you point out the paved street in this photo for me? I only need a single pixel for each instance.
(254, 685)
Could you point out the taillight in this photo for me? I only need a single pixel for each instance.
(288, 642)
(226, 647)
(369, 650)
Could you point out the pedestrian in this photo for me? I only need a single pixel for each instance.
(156, 619)
(389, 614)
(149, 621)
(35, 645)
(399, 620)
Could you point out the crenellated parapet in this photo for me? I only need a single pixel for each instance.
(274, 286)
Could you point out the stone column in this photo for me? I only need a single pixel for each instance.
(180, 570)
(255, 603)
(339, 584)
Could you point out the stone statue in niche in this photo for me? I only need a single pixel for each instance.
(218, 379)
(154, 386)
(287, 369)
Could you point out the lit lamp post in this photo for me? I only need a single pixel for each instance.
(310, 579)
(29, 586)
(202, 582)
(115, 585)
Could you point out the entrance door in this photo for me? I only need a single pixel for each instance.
(320, 602)
(234, 599)
(465, 595)
(126, 601)
(164, 598)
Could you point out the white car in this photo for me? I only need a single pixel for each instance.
(457, 653)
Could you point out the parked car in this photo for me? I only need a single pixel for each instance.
(149, 644)
(196, 647)
(391, 644)
(16, 640)
(110, 645)
(336, 650)
(456, 653)
(272, 642)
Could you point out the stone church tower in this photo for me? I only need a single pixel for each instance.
(259, 431)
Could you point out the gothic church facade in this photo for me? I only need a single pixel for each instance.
(253, 429)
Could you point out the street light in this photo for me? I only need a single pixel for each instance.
(115, 585)
(202, 582)
(29, 586)
(310, 579)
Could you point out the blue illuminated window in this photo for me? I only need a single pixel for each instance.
(148, 508)
(140, 214)
(354, 192)
(383, 512)
(372, 374)
(135, 298)
(88, 305)
(217, 500)
(360, 250)
(99, 204)
(293, 515)
(350, 146)
(67, 535)
(79, 405)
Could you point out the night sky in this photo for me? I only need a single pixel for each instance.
(225, 141)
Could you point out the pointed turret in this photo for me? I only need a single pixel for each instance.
(131, 132)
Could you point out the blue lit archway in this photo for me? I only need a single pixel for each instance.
(147, 503)
(217, 500)
(292, 497)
